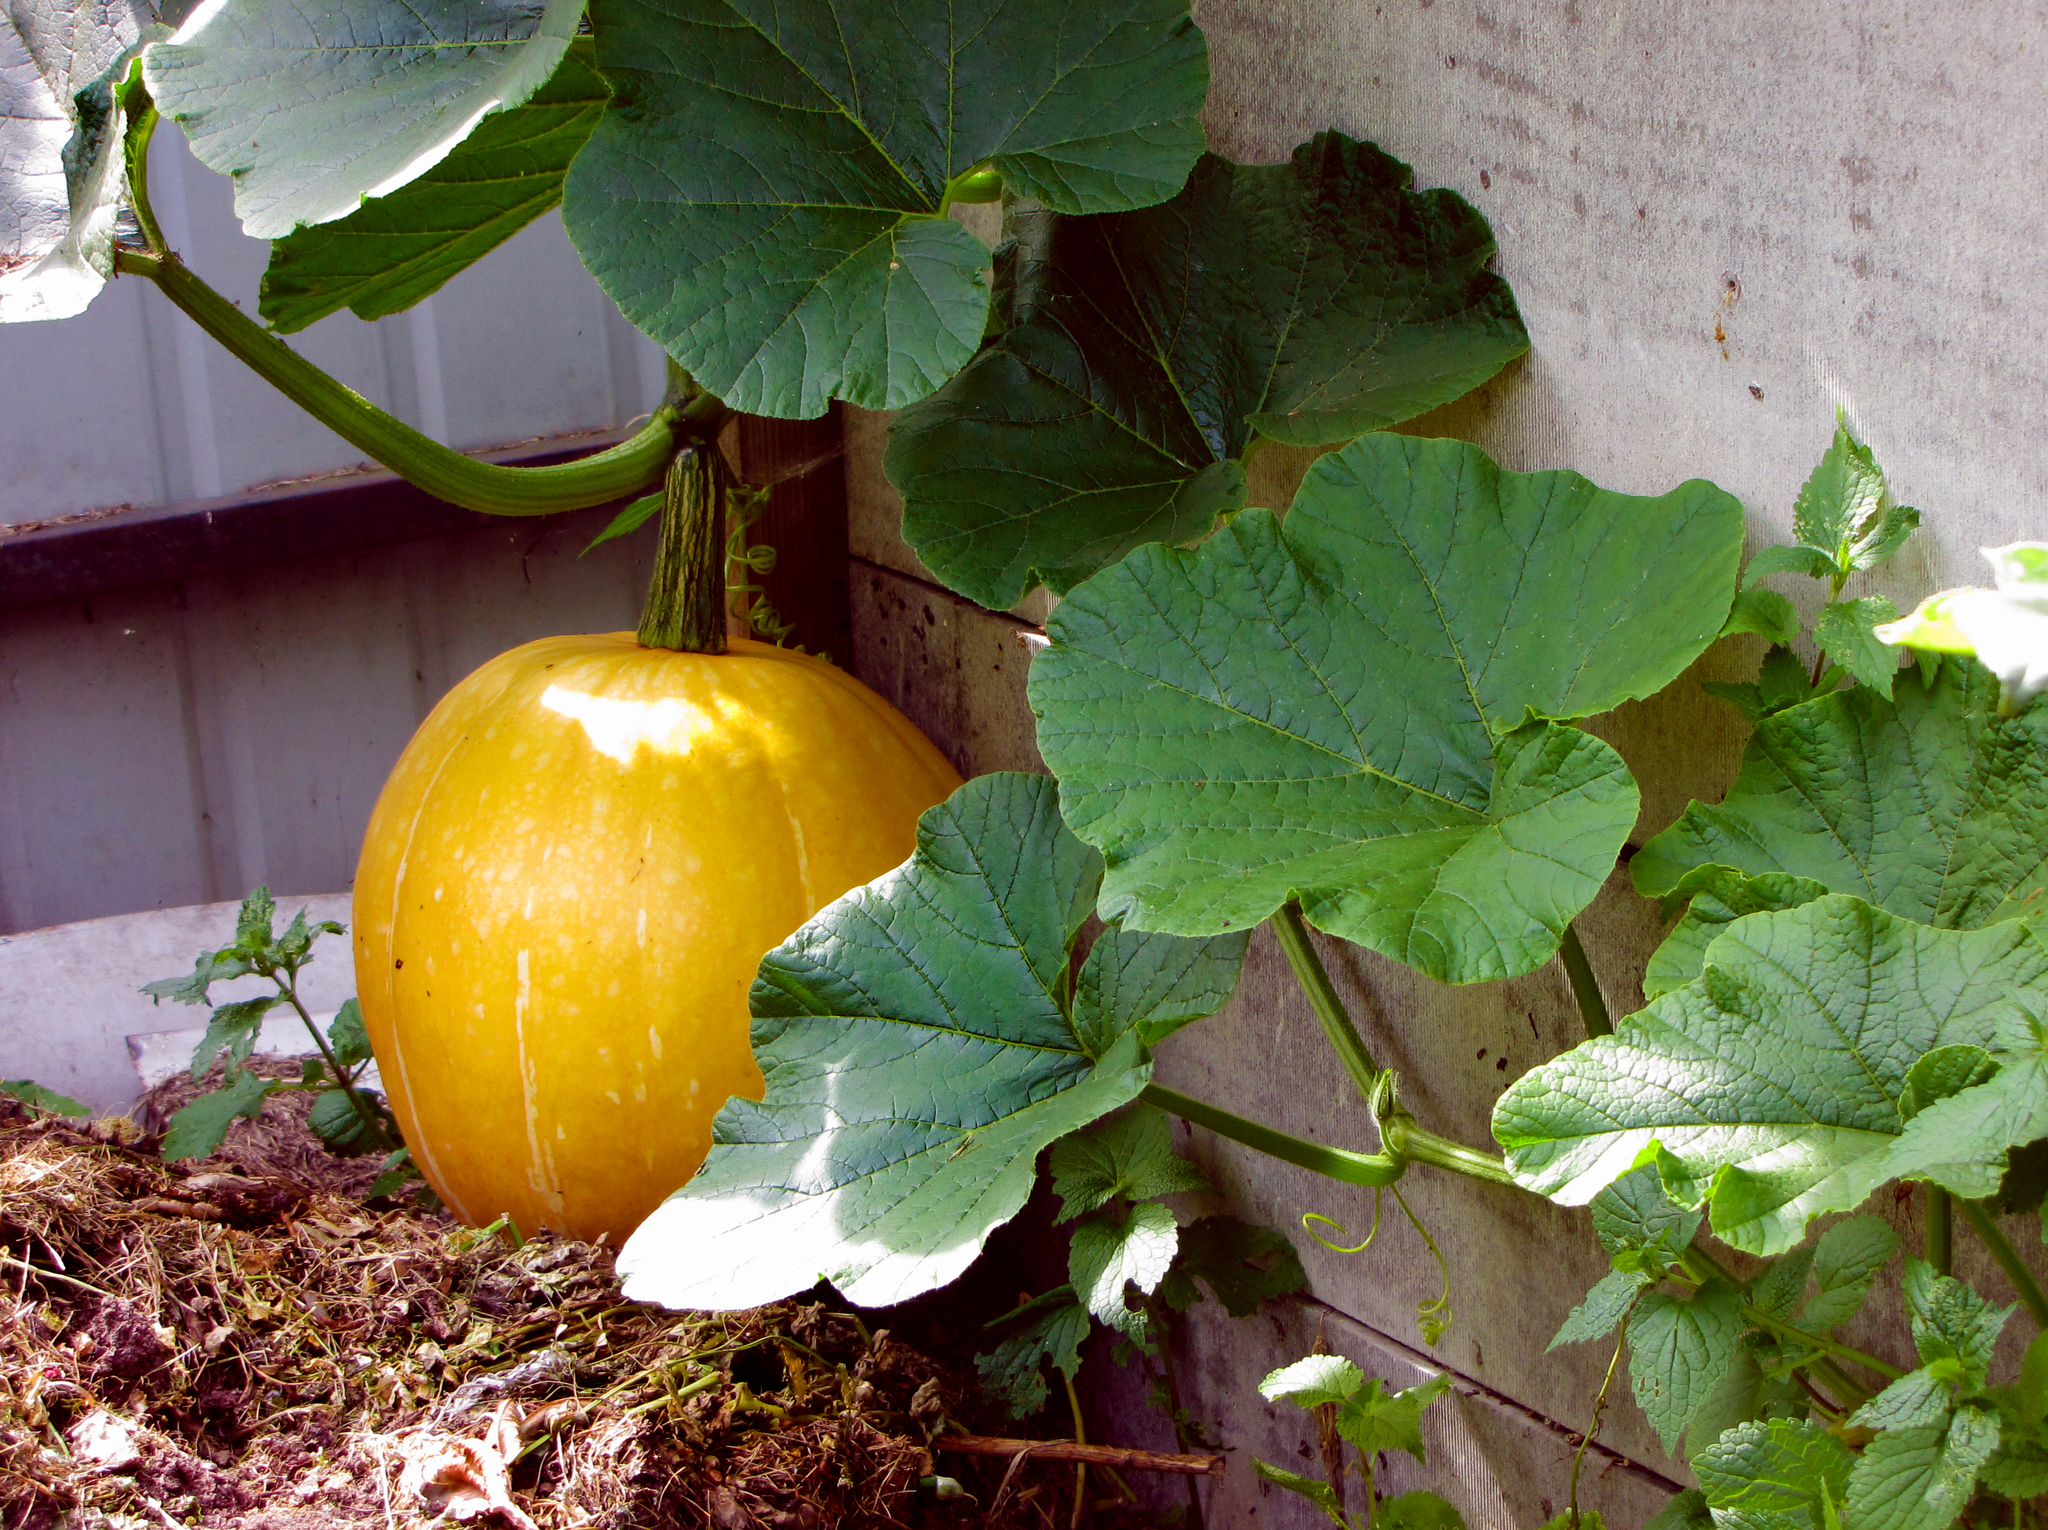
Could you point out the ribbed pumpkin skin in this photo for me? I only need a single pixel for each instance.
(567, 886)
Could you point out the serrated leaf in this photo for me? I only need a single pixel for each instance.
(1771, 1084)
(1963, 1141)
(1917, 1399)
(917, 1054)
(37, 1097)
(1374, 1419)
(338, 1125)
(1602, 1308)
(1130, 1154)
(2033, 1382)
(2006, 627)
(397, 1171)
(1787, 559)
(1336, 710)
(1920, 1479)
(1929, 805)
(210, 968)
(2017, 1469)
(346, 1037)
(1765, 613)
(233, 1028)
(1423, 1510)
(1780, 1287)
(1686, 1510)
(1679, 1349)
(1777, 1466)
(1635, 1215)
(396, 249)
(200, 1127)
(766, 194)
(1106, 1255)
(1846, 1259)
(1952, 1322)
(1718, 896)
(254, 922)
(61, 126)
(1314, 1489)
(311, 110)
(1757, 1385)
(1013, 1373)
(1313, 1381)
(1242, 1265)
(1156, 983)
(1844, 512)
(1306, 302)
(1844, 632)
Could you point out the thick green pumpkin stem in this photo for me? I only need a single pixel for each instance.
(685, 608)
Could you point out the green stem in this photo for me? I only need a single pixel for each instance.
(1586, 1439)
(2022, 1278)
(1941, 1238)
(335, 1070)
(445, 473)
(1370, 1169)
(1699, 1266)
(1080, 1438)
(1315, 982)
(1585, 986)
(1163, 1328)
(1405, 1140)
(142, 120)
(685, 608)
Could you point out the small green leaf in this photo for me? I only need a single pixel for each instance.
(1719, 896)
(2033, 1383)
(394, 250)
(1375, 1419)
(310, 110)
(630, 519)
(1844, 633)
(1241, 1264)
(398, 1170)
(1944, 1072)
(1313, 1381)
(1314, 1489)
(254, 921)
(765, 195)
(1776, 1466)
(1917, 1399)
(1106, 1255)
(1780, 1287)
(1920, 1479)
(199, 1129)
(1425, 1511)
(1788, 559)
(1687, 1510)
(212, 967)
(1679, 1349)
(1130, 1154)
(1952, 1322)
(1145, 352)
(1846, 1260)
(1765, 613)
(336, 1123)
(1635, 1215)
(1013, 1373)
(1604, 1306)
(46, 1100)
(346, 1037)
(2018, 1469)
(1338, 709)
(1961, 840)
(1771, 1085)
(1844, 512)
(918, 1054)
(234, 1027)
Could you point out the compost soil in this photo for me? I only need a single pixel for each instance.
(245, 1341)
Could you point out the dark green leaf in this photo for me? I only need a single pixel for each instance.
(1770, 1086)
(1929, 805)
(1844, 634)
(1917, 1399)
(2018, 1468)
(254, 921)
(212, 967)
(1844, 512)
(1241, 1264)
(1780, 1286)
(1845, 1261)
(1952, 1322)
(1765, 613)
(766, 194)
(1425, 1511)
(311, 109)
(1337, 710)
(346, 1037)
(1919, 1479)
(1602, 1309)
(198, 1129)
(630, 519)
(290, 949)
(394, 250)
(1154, 982)
(233, 1027)
(1635, 1215)
(1719, 896)
(337, 1123)
(1756, 1385)
(1013, 1373)
(918, 1054)
(38, 1098)
(1375, 1419)
(1130, 1154)
(1962, 1141)
(1687, 1510)
(1784, 559)
(1314, 1489)
(1777, 1466)
(398, 1171)
(1679, 1351)
(1106, 1255)
(1145, 352)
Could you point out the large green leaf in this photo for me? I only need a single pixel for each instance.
(394, 250)
(1929, 805)
(1919, 1479)
(1963, 1142)
(1777, 1467)
(766, 195)
(1770, 1087)
(60, 150)
(919, 1051)
(1307, 302)
(1339, 710)
(313, 108)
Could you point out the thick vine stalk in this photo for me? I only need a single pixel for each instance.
(1330, 1012)
(685, 608)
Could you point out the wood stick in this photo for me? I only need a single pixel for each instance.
(1067, 1450)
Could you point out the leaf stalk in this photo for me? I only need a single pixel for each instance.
(1369, 1169)
(1593, 1011)
(1322, 996)
(1993, 1237)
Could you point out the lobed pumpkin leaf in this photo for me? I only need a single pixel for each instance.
(766, 195)
(1770, 1088)
(1928, 804)
(1145, 352)
(395, 250)
(61, 126)
(919, 1049)
(1356, 709)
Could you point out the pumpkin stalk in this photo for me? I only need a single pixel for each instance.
(685, 607)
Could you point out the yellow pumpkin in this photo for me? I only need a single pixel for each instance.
(568, 882)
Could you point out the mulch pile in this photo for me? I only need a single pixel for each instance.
(245, 1342)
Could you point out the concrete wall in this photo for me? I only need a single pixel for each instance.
(1723, 222)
